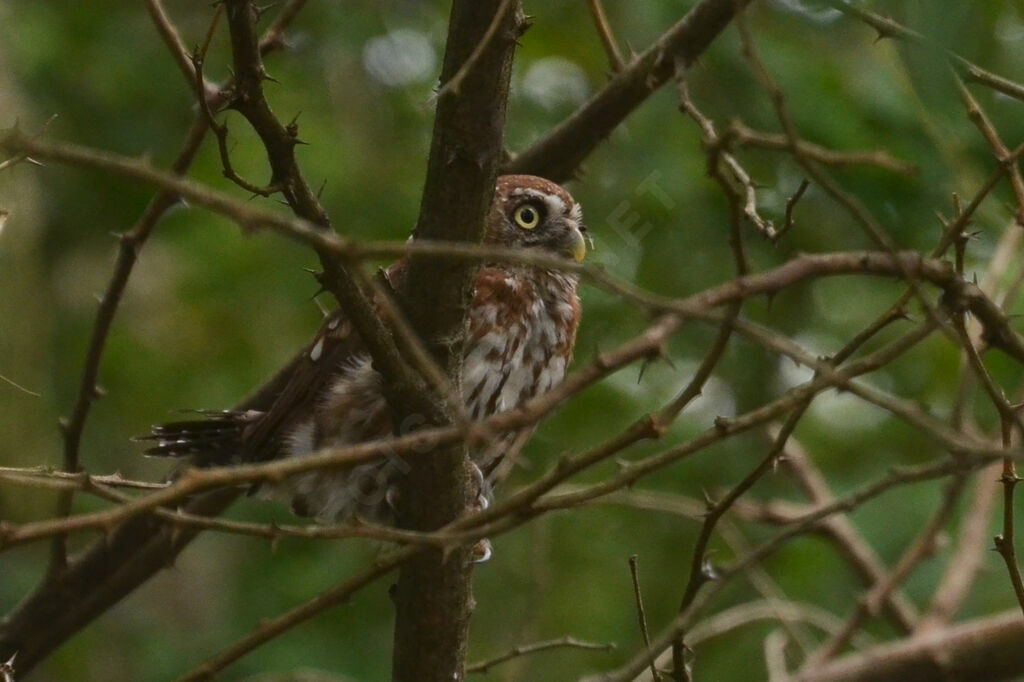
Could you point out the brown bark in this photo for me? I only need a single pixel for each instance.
(433, 596)
(979, 651)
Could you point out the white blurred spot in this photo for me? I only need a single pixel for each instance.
(3, 219)
(1009, 28)
(399, 58)
(791, 374)
(555, 82)
(813, 11)
(843, 410)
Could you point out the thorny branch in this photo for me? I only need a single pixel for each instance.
(558, 155)
(528, 649)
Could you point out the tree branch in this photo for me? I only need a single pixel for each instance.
(433, 596)
(978, 651)
(559, 154)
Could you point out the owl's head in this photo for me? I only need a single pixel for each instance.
(531, 212)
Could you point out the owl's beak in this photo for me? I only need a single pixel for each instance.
(576, 246)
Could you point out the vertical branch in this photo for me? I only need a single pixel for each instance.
(88, 390)
(1004, 541)
(634, 572)
(432, 599)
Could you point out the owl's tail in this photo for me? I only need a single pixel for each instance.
(215, 438)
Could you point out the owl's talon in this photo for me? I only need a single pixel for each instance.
(481, 551)
(392, 496)
(483, 489)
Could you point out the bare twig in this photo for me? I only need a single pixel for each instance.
(273, 37)
(220, 130)
(604, 31)
(452, 85)
(890, 28)
(790, 205)
(967, 559)
(717, 152)
(854, 207)
(893, 480)
(271, 628)
(983, 649)
(172, 38)
(79, 479)
(1004, 542)
(634, 573)
(844, 533)
(11, 382)
(559, 153)
(999, 149)
(744, 136)
(527, 649)
(870, 604)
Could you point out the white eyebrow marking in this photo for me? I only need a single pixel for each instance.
(554, 203)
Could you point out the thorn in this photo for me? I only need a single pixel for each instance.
(664, 356)
(647, 362)
(385, 283)
(262, 9)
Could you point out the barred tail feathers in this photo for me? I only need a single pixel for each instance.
(214, 438)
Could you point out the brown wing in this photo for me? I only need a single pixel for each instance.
(254, 431)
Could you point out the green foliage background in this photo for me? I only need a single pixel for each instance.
(209, 313)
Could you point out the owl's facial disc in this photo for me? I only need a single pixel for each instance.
(535, 213)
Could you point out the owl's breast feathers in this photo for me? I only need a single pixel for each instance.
(522, 327)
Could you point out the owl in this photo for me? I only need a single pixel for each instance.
(522, 325)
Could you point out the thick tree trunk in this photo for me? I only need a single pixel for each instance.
(433, 598)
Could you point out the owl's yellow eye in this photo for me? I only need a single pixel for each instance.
(526, 217)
